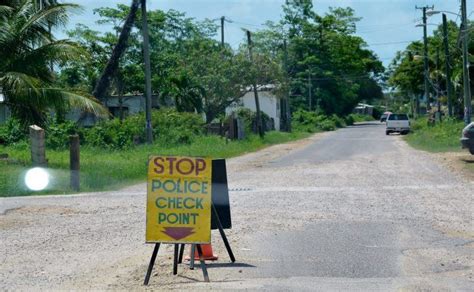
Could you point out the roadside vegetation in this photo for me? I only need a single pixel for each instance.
(113, 153)
(406, 77)
(358, 118)
(440, 137)
(313, 122)
(405, 73)
(314, 64)
(104, 168)
(443, 139)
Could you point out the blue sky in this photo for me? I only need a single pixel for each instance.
(383, 21)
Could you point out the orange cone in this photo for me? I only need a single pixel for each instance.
(207, 253)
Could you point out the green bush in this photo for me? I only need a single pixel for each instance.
(357, 118)
(338, 122)
(171, 127)
(249, 118)
(12, 132)
(113, 134)
(442, 136)
(311, 122)
(57, 134)
(349, 120)
(327, 125)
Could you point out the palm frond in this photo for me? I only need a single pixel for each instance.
(56, 51)
(84, 102)
(5, 11)
(28, 49)
(14, 83)
(42, 99)
(54, 15)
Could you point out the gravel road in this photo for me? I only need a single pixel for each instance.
(346, 210)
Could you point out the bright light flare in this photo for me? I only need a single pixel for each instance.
(37, 179)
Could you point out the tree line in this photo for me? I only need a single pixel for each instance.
(316, 62)
(405, 74)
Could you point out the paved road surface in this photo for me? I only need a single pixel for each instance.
(347, 210)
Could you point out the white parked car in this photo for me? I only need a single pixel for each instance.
(397, 123)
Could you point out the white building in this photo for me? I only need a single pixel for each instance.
(364, 109)
(128, 104)
(269, 103)
(4, 110)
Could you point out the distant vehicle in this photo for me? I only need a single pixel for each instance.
(397, 123)
(467, 139)
(384, 116)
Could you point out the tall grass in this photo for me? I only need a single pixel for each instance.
(103, 169)
(441, 137)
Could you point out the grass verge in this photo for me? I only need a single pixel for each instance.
(108, 170)
(441, 137)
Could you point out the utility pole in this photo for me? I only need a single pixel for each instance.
(465, 65)
(425, 55)
(146, 57)
(310, 97)
(287, 112)
(222, 30)
(255, 91)
(438, 95)
(449, 87)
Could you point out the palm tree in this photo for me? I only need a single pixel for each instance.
(187, 93)
(27, 50)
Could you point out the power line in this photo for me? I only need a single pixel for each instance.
(395, 27)
(459, 13)
(392, 43)
(244, 23)
(338, 77)
(385, 24)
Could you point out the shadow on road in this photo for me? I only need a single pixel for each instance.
(229, 265)
(467, 160)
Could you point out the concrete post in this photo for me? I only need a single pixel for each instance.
(38, 150)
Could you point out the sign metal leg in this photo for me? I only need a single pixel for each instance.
(224, 237)
(152, 263)
(175, 259)
(181, 253)
(191, 260)
(203, 264)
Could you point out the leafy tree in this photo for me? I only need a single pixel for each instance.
(221, 74)
(322, 55)
(28, 51)
(187, 65)
(406, 72)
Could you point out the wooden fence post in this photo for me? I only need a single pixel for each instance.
(74, 153)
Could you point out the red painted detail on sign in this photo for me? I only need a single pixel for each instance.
(178, 232)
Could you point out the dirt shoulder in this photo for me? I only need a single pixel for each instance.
(96, 240)
(460, 162)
